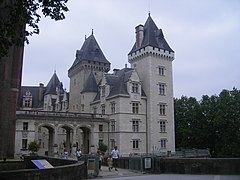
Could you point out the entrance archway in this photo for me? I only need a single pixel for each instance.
(83, 140)
(65, 139)
(45, 139)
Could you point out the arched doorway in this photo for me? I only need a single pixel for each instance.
(65, 139)
(83, 139)
(45, 139)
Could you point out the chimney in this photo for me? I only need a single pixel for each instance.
(139, 35)
(125, 65)
(40, 92)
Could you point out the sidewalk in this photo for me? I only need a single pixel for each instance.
(126, 174)
(105, 173)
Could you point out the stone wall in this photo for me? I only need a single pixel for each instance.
(186, 165)
(197, 165)
(63, 170)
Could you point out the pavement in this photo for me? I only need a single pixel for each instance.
(126, 174)
(105, 173)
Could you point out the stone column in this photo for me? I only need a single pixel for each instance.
(50, 142)
(74, 140)
(36, 132)
(55, 143)
(68, 141)
(91, 142)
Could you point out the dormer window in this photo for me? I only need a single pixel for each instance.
(27, 99)
(103, 109)
(103, 91)
(27, 103)
(135, 87)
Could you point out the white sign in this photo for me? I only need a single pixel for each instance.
(147, 163)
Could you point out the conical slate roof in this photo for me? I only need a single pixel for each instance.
(91, 84)
(90, 51)
(152, 37)
(52, 84)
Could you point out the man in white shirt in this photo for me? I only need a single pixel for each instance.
(115, 156)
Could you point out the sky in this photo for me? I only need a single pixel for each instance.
(205, 36)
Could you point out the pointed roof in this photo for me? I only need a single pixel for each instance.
(91, 84)
(90, 51)
(52, 84)
(152, 36)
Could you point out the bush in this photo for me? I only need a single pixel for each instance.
(102, 148)
(33, 146)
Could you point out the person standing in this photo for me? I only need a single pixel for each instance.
(101, 158)
(78, 154)
(110, 162)
(115, 156)
(65, 154)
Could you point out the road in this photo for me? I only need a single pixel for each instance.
(126, 174)
(177, 177)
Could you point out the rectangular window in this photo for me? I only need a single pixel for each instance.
(24, 143)
(135, 144)
(25, 126)
(161, 87)
(100, 128)
(161, 71)
(162, 108)
(112, 143)
(113, 125)
(82, 107)
(135, 107)
(103, 109)
(162, 126)
(100, 142)
(113, 107)
(94, 110)
(134, 87)
(163, 143)
(135, 125)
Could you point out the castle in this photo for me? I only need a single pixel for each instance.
(135, 103)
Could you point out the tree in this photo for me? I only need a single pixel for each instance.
(20, 12)
(213, 122)
(15, 15)
(186, 113)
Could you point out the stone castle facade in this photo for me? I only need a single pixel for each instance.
(136, 102)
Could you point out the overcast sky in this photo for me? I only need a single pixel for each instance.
(205, 35)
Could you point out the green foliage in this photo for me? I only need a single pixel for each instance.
(15, 14)
(213, 122)
(102, 147)
(33, 146)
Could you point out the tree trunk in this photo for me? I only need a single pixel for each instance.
(10, 81)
